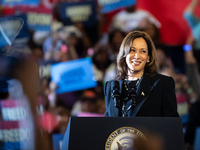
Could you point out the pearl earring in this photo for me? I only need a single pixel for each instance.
(148, 61)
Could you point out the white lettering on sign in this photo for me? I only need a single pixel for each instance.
(40, 110)
(15, 114)
(79, 13)
(39, 19)
(15, 135)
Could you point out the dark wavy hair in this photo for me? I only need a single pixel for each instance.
(112, 34)
(101, 49)
(150, 68)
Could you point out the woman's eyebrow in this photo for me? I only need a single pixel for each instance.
(140, 48)
(133, 47)
(143, 49)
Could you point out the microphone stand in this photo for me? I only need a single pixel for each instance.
(132, 96)
(124, 111)
(123, 108)
(116, 98)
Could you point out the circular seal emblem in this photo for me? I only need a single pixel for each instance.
(123, 138)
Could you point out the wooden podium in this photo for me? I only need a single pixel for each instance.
(98, 133)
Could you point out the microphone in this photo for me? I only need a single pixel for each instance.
(115, 93)
(132, 94)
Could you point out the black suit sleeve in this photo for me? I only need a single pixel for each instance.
(169, 102)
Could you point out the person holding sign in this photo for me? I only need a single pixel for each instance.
(138, 89)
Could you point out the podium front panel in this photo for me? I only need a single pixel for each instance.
(91, 133)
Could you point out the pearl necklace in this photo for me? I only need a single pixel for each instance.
(125, 84)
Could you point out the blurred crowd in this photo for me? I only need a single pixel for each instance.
(101, 42)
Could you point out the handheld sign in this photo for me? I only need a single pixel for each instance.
(16, 126)
(20, 2)
(72, 12)
(111, 5)
(38, 18)
(73, 75)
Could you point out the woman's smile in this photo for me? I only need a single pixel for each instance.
(135, 63)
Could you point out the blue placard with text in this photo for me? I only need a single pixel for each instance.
(39, 21)
(37, 18)
(72, 12)
(111, 5)
(20, 2)
(73, 75)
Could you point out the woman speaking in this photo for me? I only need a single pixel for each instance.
(138, 89)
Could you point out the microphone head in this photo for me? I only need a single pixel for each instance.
(115, 88)
(132, 88)
(115, 85)
(115, 93)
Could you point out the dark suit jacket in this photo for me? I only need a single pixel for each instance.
(155, 98)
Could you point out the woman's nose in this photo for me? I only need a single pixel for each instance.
(136, 55)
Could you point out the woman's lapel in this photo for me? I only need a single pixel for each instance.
(143, 91)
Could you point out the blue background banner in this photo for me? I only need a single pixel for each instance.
(111, 5)
(71, 12)
(73, 75)
(21, 2)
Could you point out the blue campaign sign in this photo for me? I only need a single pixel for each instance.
(57, 141)
(39, 21)
(37, 18)
(71, 12)
(73, 75)
(111, 5)
(20, 2)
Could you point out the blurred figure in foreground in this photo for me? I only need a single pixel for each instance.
(18, 121)
(152, 143)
